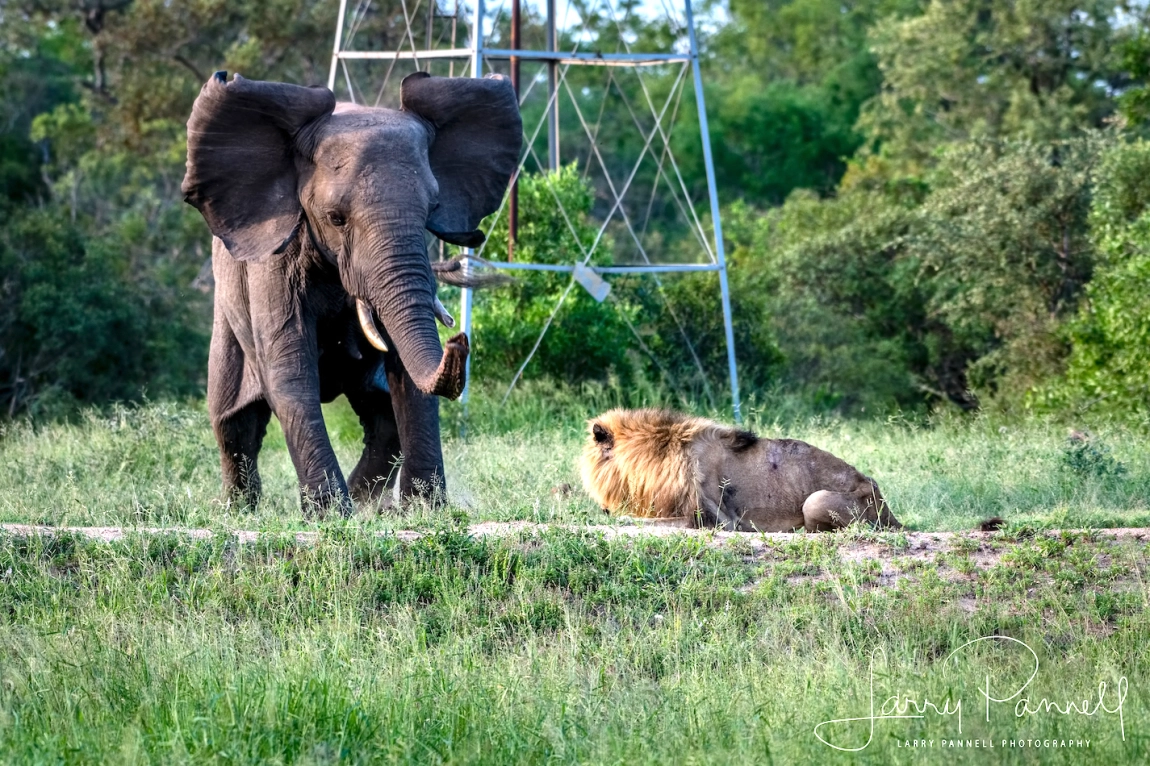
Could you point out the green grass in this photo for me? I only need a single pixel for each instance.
(561, 647)
(157, 465)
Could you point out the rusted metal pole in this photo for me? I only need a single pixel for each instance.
(513, 201)
(553, 97)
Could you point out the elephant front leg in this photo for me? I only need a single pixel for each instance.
(291, 378)
(321, 483)
(379, 466)
(239, 419)
(417, 417)
(284, 335)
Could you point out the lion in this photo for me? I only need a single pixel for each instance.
(686, 471)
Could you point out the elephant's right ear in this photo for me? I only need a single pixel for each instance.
(241, 160)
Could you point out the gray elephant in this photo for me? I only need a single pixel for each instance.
(318, 213)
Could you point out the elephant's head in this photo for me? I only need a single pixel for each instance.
(265, 159)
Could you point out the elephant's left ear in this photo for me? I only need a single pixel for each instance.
(475, 151)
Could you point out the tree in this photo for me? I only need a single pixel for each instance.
(1004, 251)
(98, 249)
(841, 299)
(953, 291)
(786, 80)
(1109, 365)
(991, 69)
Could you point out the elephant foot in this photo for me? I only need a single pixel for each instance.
(373, 480)
(318, 501)
(242, 499)
(375, 495)
(430, 491)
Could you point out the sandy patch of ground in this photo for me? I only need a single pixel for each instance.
(897, 552)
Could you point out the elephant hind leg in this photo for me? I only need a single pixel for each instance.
(377, 471)
(239, 414)
(240, 435)
(824, 510)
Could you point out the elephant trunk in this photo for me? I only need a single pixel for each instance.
(403, 295)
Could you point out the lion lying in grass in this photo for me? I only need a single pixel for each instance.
(686, 471)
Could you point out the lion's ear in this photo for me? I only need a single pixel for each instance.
(740, 440)
(602, 435)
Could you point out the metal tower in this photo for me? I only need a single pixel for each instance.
(448, 38)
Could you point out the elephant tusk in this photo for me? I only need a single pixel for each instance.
(442, 315)
(367, 324)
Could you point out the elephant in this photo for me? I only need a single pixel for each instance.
(318, 213)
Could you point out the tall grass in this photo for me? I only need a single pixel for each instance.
(563, 648)
(157, 465)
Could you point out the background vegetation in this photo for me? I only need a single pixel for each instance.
(927, 204)
(938, 217)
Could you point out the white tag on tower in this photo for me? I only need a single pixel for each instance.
(591, 282)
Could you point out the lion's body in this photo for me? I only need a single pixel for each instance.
(665, 466)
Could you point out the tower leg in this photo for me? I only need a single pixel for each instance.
(338, 43)
(713, 193)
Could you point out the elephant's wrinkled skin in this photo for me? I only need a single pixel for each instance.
(317, 209)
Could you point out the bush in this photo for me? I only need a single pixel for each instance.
(587, 340)
(1109, 366)
(950, 291)
(684, 330)
(678, 319)
(76, 325)
(1004, 250)
(829, 281)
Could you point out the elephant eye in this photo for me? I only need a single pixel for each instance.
(336, 219)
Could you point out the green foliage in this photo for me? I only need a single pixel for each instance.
(1085, 457)
(992, 69)
(948, 264)
(844, 306)
(32, 79)
(1134, 103)
(98, 251)
(955, 290)
(769, 141)
(77, 325)
(681, 342)
(1109, 365)
(683, 329)
(586, 340)
(97, 262)
(785, 82)
(976, 252)
(1004, 250)
(804, 41)
(19, 181)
